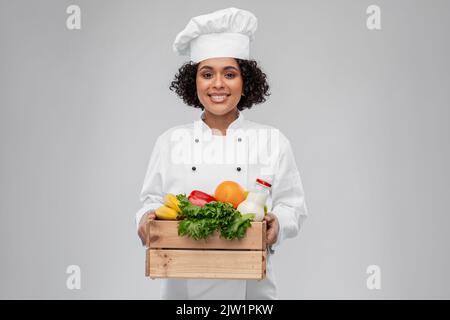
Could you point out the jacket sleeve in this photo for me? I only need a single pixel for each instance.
(151, 195)
(288, 199)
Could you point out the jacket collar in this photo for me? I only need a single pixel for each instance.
(236, 124)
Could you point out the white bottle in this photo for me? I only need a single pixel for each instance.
(256, 200)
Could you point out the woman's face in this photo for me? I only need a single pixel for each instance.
(219, 85)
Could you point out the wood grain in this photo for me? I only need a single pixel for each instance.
(164, 234)
(206, 264)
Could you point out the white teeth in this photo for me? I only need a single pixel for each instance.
(216, 98)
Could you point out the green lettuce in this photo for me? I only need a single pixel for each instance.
(200, 222)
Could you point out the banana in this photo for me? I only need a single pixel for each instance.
(172, 202)
(166, 213)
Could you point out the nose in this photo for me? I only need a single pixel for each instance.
(218, 82)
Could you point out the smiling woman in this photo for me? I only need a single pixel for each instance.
(219, 85)
(255, 88)
(221, 80)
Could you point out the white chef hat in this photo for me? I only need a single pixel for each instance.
(223, 33)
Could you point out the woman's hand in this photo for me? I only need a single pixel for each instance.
(272, 228)
(142, 229)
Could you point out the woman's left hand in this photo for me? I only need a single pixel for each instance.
(272, 228)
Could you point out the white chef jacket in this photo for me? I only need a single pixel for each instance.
(189, 157)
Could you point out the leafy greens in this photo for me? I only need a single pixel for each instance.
(200, 222)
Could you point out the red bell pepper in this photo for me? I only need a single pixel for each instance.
(200, 198)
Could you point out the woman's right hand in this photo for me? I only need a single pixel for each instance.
(142, 229)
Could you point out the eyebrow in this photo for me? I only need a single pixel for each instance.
(226, 68)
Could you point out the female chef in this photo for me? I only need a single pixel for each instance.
(221, 80)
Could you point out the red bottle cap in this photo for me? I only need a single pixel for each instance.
(264, 183)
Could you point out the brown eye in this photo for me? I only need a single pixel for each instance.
(206, 75)
(230, 75)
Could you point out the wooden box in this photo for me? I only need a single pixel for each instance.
(171, 256)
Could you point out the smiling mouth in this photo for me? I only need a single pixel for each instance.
(218, 98)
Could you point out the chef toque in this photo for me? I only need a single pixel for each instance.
(223, 33)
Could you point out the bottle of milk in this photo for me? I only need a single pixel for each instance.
(256, 200)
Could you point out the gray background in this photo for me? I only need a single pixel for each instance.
(367, 114)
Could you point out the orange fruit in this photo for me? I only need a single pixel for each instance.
(230, 191)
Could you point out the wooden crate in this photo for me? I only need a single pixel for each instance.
(171, 256)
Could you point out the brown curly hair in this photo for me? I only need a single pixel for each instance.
(255, 88)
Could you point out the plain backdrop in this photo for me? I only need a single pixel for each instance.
(366, 111)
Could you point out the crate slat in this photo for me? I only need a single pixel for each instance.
(206, 264)
(164, 234)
